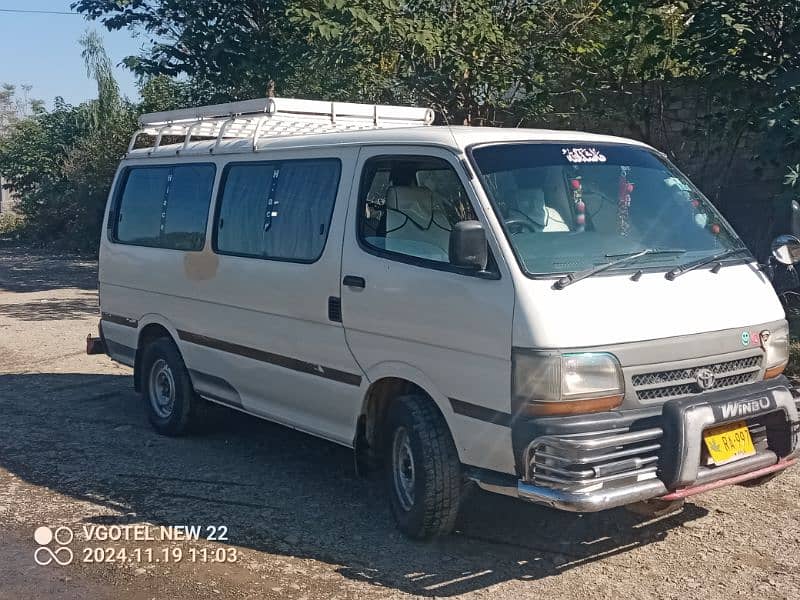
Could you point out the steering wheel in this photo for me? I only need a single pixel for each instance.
(519, 224)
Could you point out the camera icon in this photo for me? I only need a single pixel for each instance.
(61, 555)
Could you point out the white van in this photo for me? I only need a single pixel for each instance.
(557, 316)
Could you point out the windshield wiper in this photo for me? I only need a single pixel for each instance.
(681, 269)
(624, 258)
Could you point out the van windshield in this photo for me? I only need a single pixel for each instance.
(567, 207)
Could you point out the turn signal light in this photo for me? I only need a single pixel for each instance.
(573, 407)
(773, 372)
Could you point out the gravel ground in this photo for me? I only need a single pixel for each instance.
(76, 450)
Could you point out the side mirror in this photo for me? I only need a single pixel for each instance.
(468, 247)
(785, 249)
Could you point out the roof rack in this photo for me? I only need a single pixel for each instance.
(273, 117)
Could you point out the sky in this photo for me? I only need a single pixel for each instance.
(42, 50)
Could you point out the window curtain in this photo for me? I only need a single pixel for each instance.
(301, 209)
(244, 203)
(187, 207)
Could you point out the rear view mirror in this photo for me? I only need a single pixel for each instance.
(785, 249)
(468, 247)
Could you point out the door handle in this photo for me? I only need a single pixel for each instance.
(354, 281)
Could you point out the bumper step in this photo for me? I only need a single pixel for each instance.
(705, 487)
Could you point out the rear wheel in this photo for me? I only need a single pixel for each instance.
(173, 407)
(423, 472)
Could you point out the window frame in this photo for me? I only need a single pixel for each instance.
(221, 194)
(113, 217)
(492, 270)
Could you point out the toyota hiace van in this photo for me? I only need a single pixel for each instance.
(557, 316)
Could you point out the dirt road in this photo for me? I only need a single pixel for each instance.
(76, 450)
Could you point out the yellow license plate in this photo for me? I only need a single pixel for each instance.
(728, 443)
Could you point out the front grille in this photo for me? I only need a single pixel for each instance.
(676, 383)
(593, 461)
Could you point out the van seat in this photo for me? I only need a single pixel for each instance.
(414, 219)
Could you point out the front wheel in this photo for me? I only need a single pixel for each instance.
(422, 469)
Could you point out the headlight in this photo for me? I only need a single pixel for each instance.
(551, 383)
(776, 350)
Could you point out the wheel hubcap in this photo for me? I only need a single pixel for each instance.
(403, 468)
(162, 389)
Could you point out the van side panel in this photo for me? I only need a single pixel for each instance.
(254, 333)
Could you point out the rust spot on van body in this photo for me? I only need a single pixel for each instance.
(200, 266)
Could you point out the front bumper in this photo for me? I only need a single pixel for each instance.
(597, 462)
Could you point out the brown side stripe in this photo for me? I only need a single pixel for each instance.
(124, 321)
(268, 357)
(481, 413)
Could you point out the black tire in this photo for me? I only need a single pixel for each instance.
(425, 498)
(184, 410)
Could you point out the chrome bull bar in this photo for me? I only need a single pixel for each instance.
(588, 473)
(599, 470)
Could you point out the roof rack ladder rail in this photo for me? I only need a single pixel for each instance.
(221, 135)
(189, 130)
(159, 135)
(135, 136)
(269, 110)
(257, 131)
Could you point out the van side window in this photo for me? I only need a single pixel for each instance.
(187, 207)
(278, 210)
(139, 211)
(409, 205)
(165, 206)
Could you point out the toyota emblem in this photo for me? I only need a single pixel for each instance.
(705, 378)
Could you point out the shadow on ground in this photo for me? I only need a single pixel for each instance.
(53, 309)
(23, 270)
(283, 492)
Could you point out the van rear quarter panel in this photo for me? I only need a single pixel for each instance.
(268, 305)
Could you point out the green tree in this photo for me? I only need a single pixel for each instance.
(748, 54)
(229, 49)
(485, 61)
(477, 62)
(164, 93)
